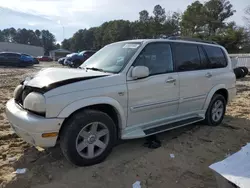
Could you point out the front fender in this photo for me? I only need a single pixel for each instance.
(76, 105)
(211, 94)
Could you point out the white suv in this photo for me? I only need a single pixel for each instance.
(129, 89)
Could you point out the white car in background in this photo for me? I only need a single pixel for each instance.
(129, 89)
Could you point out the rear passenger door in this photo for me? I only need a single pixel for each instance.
(191, 63)
(217, 65)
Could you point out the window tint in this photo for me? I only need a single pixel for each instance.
(203, 58)
(157, 57)
(216, 57)
(186, 56)
(12, 55)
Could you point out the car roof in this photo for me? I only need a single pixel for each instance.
(10, 53)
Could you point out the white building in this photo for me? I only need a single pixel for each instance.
(58, 53)
(21, 48)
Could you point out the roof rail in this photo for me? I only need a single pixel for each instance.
(190, 39)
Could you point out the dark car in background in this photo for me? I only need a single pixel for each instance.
(68, 59)
(15, 59)
(77, 59)
(61, 60)
(44, 58)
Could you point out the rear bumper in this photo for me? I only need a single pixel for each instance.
(30, 126)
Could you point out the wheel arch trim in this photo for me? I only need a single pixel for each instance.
(83, 103)
(211, 94)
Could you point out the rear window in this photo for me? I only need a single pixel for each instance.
(216, 57)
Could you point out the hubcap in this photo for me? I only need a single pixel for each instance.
(217, 110)
(92, 140)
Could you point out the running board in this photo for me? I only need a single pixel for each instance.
(171, 126)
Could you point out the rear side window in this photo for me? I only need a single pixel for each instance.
(216, 57)
(187, 57)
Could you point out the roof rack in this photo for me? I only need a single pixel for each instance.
(190, 39)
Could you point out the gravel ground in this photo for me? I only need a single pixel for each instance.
(195, 147)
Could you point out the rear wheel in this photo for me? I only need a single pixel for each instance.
(216, 110)
(88, 137)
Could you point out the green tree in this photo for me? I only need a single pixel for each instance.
(1, 36)
(144, 16)
(193, 19)
(159, 14)
(66, 44)
(232, 37)
(48, 41)
(9, 34)
(217, 12)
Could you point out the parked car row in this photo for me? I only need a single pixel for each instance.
(17, 59)
(44, 58)
(74, 60)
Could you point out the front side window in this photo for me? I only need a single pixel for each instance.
(216, 57)
(157, 57)
(187, 57)
(112, 58)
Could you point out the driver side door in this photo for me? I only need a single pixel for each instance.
(152, 100)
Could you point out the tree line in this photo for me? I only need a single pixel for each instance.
(41, 38)
(207, 21)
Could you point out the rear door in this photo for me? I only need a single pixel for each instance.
(217, 65)
(195, 81)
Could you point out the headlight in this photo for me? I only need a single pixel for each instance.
(35, 102)
(17, 92)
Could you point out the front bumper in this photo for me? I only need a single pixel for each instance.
(30, 126)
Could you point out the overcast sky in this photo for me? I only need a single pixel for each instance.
(79, 14)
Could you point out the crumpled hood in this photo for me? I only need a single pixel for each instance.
(55, 77)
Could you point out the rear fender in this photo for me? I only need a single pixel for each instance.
(211, 94)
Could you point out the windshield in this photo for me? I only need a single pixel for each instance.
(113, 57)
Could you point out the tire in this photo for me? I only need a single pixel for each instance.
(239, 73)
(245, 69)
(209, 119)
(69, 138)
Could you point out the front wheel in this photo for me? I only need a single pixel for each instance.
(88, 137)
(216, 110)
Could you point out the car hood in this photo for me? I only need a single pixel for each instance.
(50, 78)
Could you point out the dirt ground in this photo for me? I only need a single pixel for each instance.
(195, 147)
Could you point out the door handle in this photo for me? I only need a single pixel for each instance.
(170, 80)
(208, 75)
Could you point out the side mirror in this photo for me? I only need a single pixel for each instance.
(140, 72)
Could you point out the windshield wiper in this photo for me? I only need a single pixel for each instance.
(94, 69)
